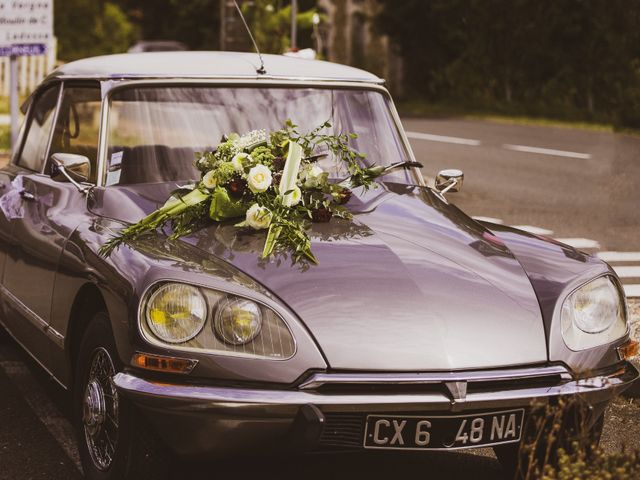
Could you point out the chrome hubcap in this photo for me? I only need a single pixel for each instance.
(100, 410)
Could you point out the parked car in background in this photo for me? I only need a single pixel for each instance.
(420, 328)
(157, 46)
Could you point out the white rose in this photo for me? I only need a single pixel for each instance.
(239, 160)
(312, 176)
(259, 178)
(209, 180)
(258, 217)
(294, 197)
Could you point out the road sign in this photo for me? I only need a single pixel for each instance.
(26, 27)
(26, 21)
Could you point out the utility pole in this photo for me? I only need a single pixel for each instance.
(294, 25)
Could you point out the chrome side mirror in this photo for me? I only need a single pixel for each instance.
(449, 181)
(69, 167)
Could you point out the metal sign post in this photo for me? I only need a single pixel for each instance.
(13, 99)
(26, 28)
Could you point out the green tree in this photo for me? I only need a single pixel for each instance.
(87, 27)
(193, 22)
(271, 25)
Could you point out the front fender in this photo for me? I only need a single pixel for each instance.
(555, 270)
(123, 277)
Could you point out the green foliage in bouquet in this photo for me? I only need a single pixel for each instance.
(273, 181)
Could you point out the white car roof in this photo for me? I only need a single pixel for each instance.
(209, 64)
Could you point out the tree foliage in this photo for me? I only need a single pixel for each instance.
(85, 28)
(576, 58)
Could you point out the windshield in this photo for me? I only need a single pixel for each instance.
(156, 132)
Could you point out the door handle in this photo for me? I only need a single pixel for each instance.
(27, 195)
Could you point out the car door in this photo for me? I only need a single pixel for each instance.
(52, 211)
(18, 313)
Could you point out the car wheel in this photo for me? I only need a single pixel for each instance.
(515, 463)
(113, 441)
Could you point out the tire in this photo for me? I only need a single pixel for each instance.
(114, 442)
(515, 460)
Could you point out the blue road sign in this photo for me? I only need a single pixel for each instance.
(23, 49)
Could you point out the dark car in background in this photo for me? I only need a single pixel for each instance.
(420, 329)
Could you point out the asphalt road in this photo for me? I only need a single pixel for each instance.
(593, 194)
(580, 187)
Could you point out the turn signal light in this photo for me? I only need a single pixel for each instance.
(629, 349)
(160, 363)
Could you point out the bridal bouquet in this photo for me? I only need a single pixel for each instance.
(267, 181)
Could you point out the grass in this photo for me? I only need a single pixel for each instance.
(499, 115)
(5, 138)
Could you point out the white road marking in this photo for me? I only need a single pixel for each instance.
(442, 138)
(547, 151)
(534, 230)
(582, 243)
(631, 290)
(619, 256)
(627, 272)
(56, 423)
(499, 221)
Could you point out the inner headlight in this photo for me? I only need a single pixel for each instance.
(593, 315)
(176, 312)
(238, 321)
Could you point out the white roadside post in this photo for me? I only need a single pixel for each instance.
(26, 28)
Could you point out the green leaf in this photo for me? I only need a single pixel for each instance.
(223, 207)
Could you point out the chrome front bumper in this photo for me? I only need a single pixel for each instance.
(209, 419)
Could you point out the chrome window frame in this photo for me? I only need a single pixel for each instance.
(114, 85)
(26, 125)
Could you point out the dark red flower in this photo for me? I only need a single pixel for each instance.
(237, 186)
(321, 215)
(278, 164)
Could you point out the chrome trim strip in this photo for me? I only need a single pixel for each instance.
(56, 114)
(166, 396)
(252, 78)
(32, 317)
(318, 379)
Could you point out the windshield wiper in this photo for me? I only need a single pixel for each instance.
(396, 166)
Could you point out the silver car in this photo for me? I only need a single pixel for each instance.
(420, 329)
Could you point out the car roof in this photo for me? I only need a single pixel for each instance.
(208, 65)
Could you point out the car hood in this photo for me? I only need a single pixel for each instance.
(411, 284)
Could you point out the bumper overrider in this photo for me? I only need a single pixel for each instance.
(329, 410)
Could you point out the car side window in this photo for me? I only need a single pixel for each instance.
(78, 124)
(33, 152)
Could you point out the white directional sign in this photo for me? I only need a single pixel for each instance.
(24, 23)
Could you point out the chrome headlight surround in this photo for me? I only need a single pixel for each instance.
(272, 340)
(594, 314)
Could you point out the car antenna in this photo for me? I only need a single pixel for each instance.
(261, 70)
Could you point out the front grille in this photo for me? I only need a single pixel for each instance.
(342, 430)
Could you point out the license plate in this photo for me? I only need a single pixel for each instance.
(442, 432)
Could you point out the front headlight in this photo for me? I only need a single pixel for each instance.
(237, 321)
(173, 315)
(593, 315)
(176, 312)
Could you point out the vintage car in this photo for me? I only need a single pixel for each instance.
(419, 329)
